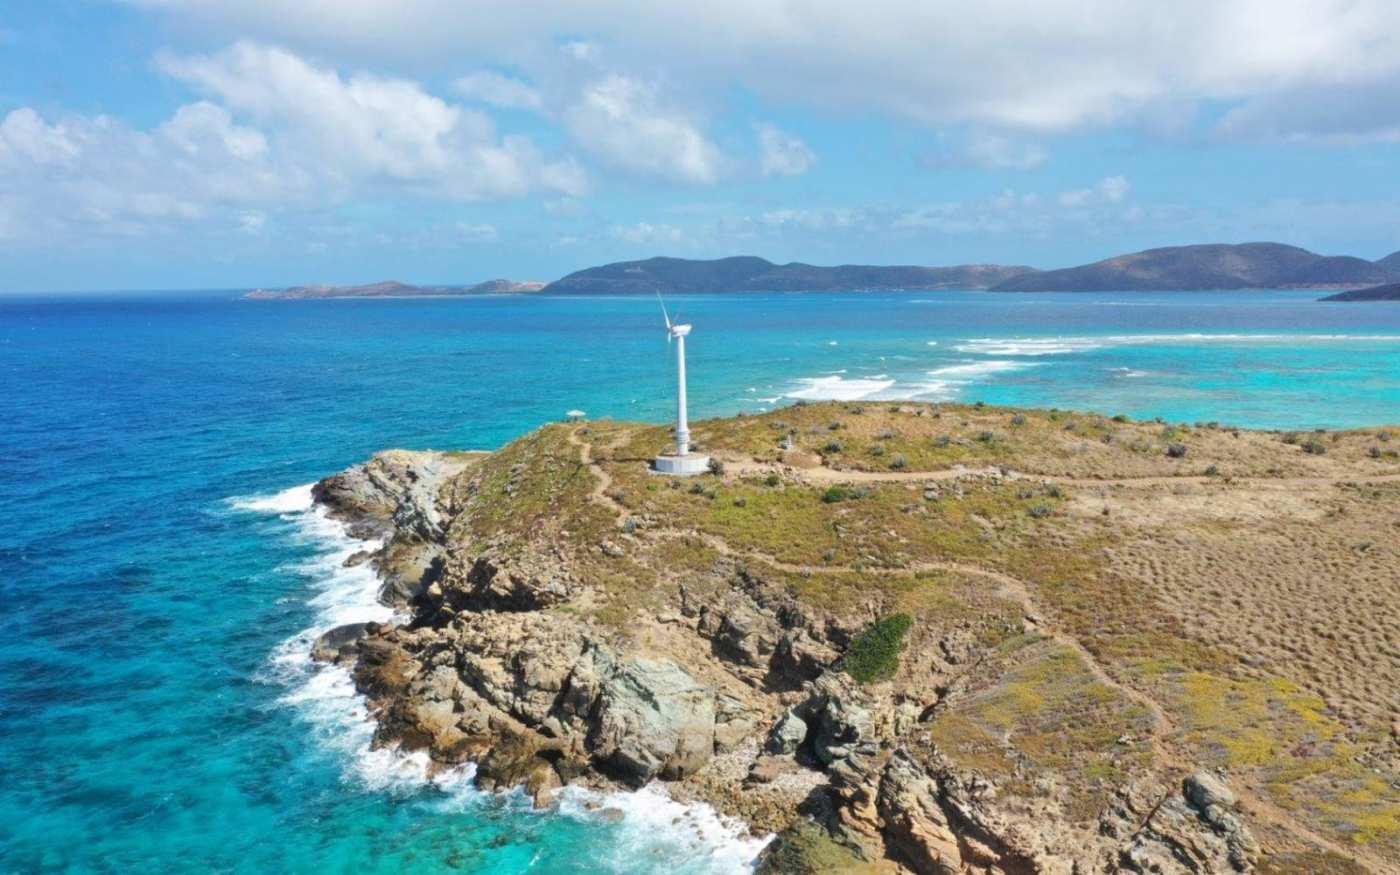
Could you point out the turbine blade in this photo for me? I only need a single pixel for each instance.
(664, 314)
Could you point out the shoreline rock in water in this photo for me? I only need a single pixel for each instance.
(561, 631)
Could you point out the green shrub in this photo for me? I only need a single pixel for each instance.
(1018, 420)
(942, 441)
(877, 450)
(1176, 451)
(1120, 418)
(874, 654)
(1314, 447)
(835, 494)
(899, 461)
(834, 446)
(772, 480)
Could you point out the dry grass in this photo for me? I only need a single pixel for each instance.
(1249, 589)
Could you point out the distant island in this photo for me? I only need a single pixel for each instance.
(393, 289)
(747, 273)
(1176, 268)
(1387, 292)
(1202, 267)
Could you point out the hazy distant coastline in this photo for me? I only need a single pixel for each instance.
(1209, 266)
(394, 289)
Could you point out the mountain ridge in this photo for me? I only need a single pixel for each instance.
(749, 273)
(1207, 266)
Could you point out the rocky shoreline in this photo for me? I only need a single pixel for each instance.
(725, 686)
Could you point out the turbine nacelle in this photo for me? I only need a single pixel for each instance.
(678, 330)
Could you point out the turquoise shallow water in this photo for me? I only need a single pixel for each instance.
(160, 571)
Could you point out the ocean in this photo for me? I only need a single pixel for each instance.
(164, 571)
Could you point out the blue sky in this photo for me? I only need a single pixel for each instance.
(211, 144)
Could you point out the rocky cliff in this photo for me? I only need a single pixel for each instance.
(902, 638)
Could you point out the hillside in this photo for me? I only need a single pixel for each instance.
(749, 273)
(1391, 262)
(911, 637)
(1208, 266)
(391, 289)
(1389, 292)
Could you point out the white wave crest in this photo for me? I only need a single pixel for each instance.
(835, 388)
(1037, 346)
(293, 500)
(681, 837)
(972, 370)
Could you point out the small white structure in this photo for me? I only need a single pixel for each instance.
(681, 463)
(575, 415)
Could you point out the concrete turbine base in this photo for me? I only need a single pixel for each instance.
(681, 466)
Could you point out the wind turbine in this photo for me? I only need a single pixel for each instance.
(683, 462)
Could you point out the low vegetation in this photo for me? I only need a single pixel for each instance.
(874, 654)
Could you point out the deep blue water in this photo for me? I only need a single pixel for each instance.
(157, 568)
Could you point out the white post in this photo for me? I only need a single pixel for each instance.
(682, 426)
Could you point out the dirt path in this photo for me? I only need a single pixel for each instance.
(599, 492)
(823, 474)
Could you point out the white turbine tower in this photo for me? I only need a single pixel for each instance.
(682, 462)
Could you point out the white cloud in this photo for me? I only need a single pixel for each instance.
(988, 151)
(498, 90)
(1002, 153)
(1110, 189)
(621, 121)
(647, 233)
(813, 219)
(26, 136)
(369, 127)
(276, 132)
(1366, 113)
(1114, 188)
(477, 233)
(782, 154)
(252, 222)
(1022, 64)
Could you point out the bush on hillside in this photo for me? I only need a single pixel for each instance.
(874, 654)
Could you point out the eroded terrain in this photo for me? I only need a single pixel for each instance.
(935, 638)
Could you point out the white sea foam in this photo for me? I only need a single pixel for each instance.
(680, 837)
(293, 500)
(972, 370)
(836, 388)
(1038, 346)
(1031, 346)
(687, 837)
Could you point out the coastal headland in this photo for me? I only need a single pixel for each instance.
(912, 637)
